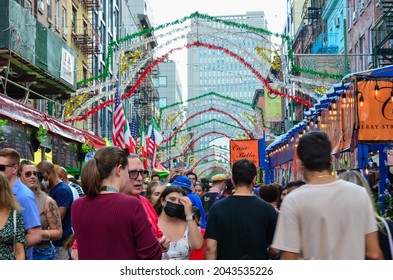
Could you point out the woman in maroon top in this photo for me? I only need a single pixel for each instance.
(109, 225)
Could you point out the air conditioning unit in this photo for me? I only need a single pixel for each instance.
(354, 15)
(379, 4)
(362, 6)
(337, 22)
(41, 5)
(65, 31)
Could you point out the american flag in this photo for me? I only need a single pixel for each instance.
(121, 132)
(154, 139)
(134, 132)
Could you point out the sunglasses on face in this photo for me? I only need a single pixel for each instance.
(29, 173)
(133, 174)
(4, 166)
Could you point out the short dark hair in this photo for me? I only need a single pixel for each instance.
(269, 193)
(295, 184)
(192, 173)
(314, 150)
(155, 175)
(243, 172)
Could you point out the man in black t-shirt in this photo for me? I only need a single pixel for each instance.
(241, 226)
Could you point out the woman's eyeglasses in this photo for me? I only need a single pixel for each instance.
(4, 166)
(133, 174)
(29, 173)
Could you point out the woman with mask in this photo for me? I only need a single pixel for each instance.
(177, 222)
(47, 209)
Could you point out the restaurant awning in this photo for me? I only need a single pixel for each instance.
(18, 111)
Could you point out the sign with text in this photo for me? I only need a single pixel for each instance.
(376, 111)
(67, 66)
(244, 149)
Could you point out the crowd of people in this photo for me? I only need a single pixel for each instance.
(117, 211)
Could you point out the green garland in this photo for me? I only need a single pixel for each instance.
(147, 31)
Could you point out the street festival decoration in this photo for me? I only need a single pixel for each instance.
(133, 61)
(139, 35)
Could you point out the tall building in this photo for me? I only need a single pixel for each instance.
(212, 70)
(167, 82)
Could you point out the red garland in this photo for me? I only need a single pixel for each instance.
(205, 157)
(214, 167)
(162, 58)
(193, 142)
(202, 112)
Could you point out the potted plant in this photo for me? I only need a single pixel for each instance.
(85, 148)
(2, 123)
(39, 136)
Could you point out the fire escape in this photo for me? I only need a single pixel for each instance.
(87, 38)
(313, 23)
(383, 34)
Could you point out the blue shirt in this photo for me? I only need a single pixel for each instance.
(196, 201)
(26, 199)
(62, 194)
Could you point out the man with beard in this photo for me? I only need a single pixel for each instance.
(134, 187)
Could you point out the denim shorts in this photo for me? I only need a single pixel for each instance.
(44, 253)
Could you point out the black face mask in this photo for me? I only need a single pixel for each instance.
(174, 210)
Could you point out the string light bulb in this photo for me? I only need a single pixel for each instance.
(344, 97)
(376, 89)
(361, 99)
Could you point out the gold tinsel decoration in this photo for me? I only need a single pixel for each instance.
(128, 59)
(276, 63)
(74, 102)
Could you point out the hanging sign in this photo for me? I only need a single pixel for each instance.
(375, 111)
(244, 149)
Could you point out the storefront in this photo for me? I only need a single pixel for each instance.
(21, 125)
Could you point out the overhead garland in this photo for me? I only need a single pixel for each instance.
(128, 59)
(275, 63)
(194, 141)
(74, 102)
(243, 26)
(150, 67)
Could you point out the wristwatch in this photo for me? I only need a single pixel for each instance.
(190, 218)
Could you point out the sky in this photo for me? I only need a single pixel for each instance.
(169, 10)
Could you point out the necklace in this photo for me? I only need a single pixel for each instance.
(322, 176)
(109, 189)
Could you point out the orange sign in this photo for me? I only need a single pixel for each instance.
(244, 149)
(376, 111)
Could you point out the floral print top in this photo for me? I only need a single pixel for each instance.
(7, 236)
(180, 249)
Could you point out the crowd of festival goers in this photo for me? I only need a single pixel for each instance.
(116, 210)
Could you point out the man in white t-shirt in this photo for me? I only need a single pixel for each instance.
(326, 218)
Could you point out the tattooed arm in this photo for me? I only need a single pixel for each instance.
(52, 215)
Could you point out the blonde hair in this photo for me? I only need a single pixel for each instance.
(7, 197)
(357, 178)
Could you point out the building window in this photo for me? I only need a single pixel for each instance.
(49, 8)
(57, 14)
(64, 18)
(73, 19)
(363, 52)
